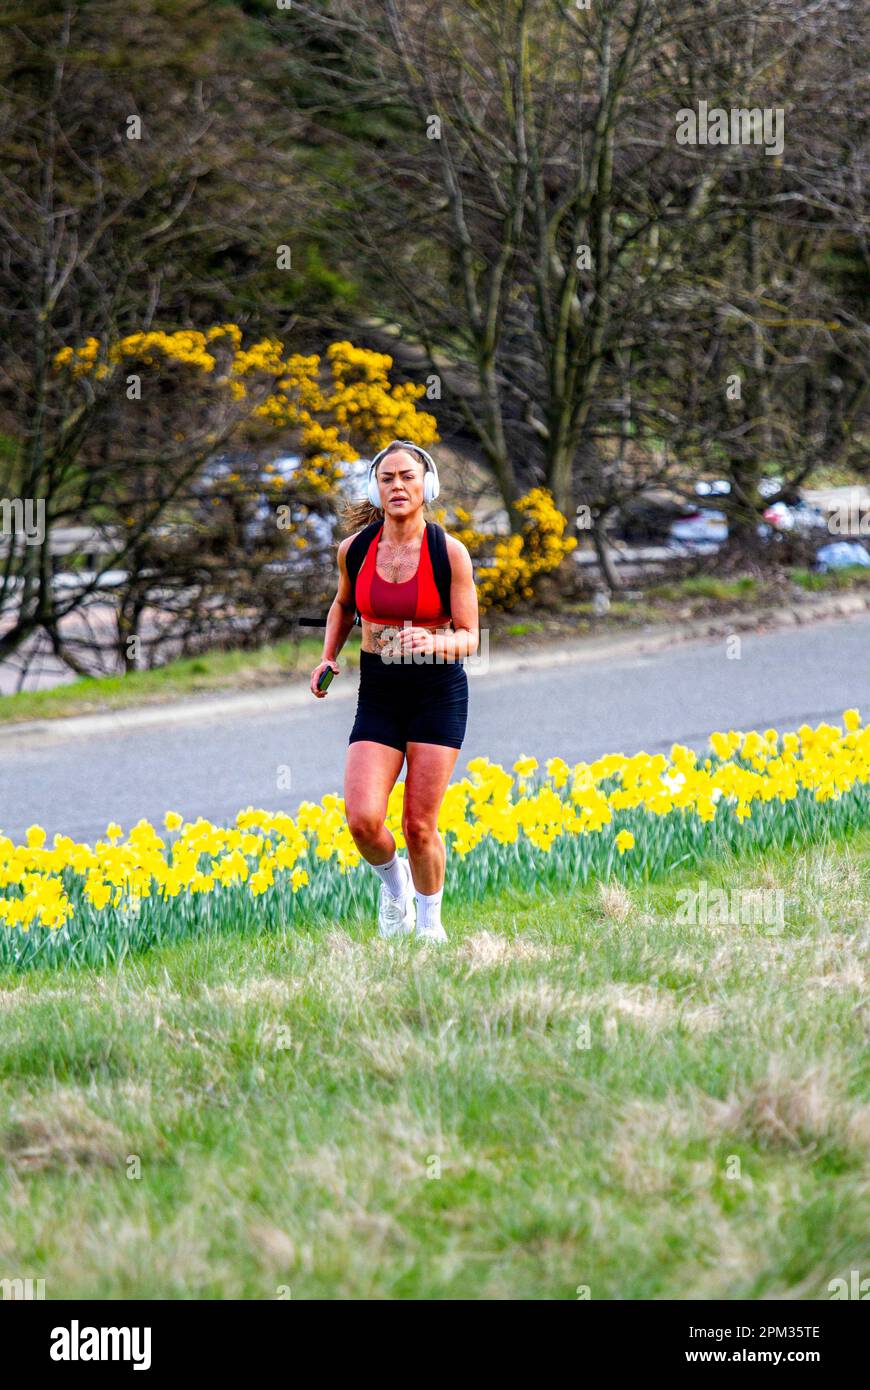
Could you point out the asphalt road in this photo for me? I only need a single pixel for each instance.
(621, 703)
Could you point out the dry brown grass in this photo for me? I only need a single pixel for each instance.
(60, 1131)
(798, 1111)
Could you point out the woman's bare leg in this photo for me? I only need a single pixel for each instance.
(429, 768)
(370, 774)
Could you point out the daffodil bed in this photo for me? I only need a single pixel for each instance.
(634, 817)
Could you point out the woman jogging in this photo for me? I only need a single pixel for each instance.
(413, 587)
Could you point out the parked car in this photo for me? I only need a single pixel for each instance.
(706, 528)
(647, 520)
(703, 528)
(799, 516)
(699, 531)
(841, 555)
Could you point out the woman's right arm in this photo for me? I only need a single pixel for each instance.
(339, 621)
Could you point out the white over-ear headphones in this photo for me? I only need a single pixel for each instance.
(431, 484)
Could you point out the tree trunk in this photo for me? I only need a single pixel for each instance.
(602, 550)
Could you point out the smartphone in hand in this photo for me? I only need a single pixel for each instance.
(325, 678)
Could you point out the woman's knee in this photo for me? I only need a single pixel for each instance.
(364, 824)
(420, 831)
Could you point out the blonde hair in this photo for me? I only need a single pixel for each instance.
(356, 515)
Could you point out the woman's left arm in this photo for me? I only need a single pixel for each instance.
(465, 637)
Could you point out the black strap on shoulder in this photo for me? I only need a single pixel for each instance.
(436, 538)
(356, 554)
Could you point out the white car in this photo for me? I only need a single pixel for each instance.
(700, 531)
(841, 555)
(800, 516)
(706, 528)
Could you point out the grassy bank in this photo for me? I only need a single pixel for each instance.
(189, 676)
(580, 1090)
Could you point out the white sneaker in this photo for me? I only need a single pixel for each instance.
(396, 916)
(434, 933)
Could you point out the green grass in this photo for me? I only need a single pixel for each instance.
(555, 1099)
(196, 675)
(853, 576)
(709, 587)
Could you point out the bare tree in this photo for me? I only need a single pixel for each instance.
(570, 267)
(114, 186)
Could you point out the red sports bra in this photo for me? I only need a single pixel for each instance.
(417, 600)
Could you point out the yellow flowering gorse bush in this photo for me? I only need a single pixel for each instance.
(539, 548)
(331, 404)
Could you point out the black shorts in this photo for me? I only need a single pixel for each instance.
(401, 703)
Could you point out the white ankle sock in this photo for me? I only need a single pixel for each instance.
(393, 875)
(429, 909)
